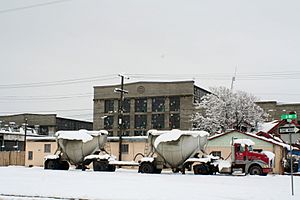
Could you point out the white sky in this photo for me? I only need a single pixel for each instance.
(186, 39)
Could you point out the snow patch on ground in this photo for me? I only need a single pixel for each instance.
(130, 185)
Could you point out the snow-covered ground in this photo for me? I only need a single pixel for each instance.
(37, 183)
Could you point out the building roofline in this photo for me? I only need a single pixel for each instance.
(146, 82)
(77, 120)
(248, 134)
(12, 115)
(154, 82)
(278, 103)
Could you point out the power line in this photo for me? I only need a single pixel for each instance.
(49, 111)
(212, 76)
(60, 82)
(224, 76)
(32, 6)
(18, 98)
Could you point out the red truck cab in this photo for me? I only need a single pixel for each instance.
(251, 162)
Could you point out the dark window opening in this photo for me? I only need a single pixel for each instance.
(174, 121)
(158, 104)
(125, 148)
(47, 148)
(109, 106)
(30, 155)
(140, 121)
(158, 121)
(174, 103)
(141, 105)
(108, 122)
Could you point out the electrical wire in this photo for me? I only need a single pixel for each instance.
(32, 6)
(60, 82)
(49, 111)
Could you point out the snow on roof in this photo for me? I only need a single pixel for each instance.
(269, 154)
(247, 142)
(282, 144)
(41, 138)
(266, 127)
(173, 135)
(82, 134)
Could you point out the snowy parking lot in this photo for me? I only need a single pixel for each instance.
(37, 183)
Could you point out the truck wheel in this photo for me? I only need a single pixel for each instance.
(201, 169)
(157, 171)
(100, 166)
(147, 168)
(51, 164)
(111, 168)
(64, 165)
(255, 170)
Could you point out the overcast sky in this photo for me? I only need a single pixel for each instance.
(52, 53)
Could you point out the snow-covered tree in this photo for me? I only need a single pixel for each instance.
(224, 109)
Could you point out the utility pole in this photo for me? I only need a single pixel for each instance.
(25, 134)
(120, 114)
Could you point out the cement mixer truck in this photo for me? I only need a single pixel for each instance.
(185, 150)
(171, 149)
(80, 148)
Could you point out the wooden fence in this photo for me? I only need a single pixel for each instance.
(12, 158)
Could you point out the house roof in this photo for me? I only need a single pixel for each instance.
(272, 127)
(269, 140)
(268, 126)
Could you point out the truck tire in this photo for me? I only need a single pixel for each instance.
(255, 170)
(146, 167)
(100, 166)
(111, 168)
(201, 169)
(51, 164)
(64, 165)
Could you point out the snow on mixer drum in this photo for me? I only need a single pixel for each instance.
(78, 144)
(177, 146)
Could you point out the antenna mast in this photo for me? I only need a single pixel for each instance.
(233, 79)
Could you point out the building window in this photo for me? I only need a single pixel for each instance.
(126, 122)
(108, 122)
(43, 130)
(125, 148)
(110, 133)
(158, 104)
(30, 155)
(175, 103)
(109, 106)
(140, 121)
(174, 121)
(198, 94)
(47, 148)
(158, 121)
(216, 153)
(140, 133)
(126, 105)
(141, 105)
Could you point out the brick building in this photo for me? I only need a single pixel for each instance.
(148, 105)
(46, 124)
(275, 109)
